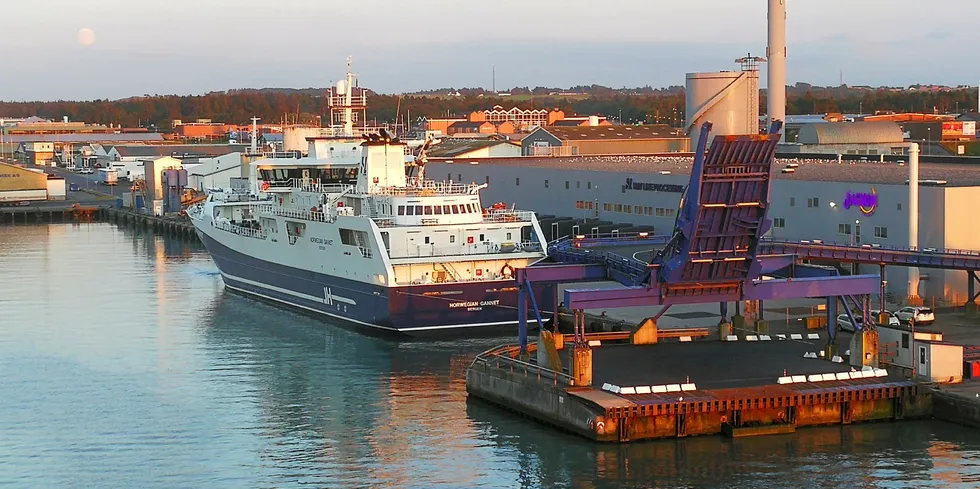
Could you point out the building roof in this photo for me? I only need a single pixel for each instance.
(179, 150)
(956, 175)
(84, 138)
(468, 125)
(884, 132)
(653, 131)
(452, 148)
(969, 116)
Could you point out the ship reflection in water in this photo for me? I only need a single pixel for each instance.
(152, 375)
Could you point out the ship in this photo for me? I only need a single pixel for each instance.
(354, 231)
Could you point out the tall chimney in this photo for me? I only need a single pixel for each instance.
(913, 216)
(776, 54)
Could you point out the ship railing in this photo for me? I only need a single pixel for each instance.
(485, 248)
(503, 357)
(429, 188)
(341, 100)
(504, 215)
(241, 230)
(296, 213)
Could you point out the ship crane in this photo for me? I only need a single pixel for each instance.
(421, 158)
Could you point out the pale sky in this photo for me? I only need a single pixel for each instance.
(195, 46)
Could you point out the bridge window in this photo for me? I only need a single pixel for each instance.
(418, 210)
(437, 209)
(411, 210)
(881, 232)
(455, 209)
(844, 229)
(428, 210)
(779, 222)
(445, 209)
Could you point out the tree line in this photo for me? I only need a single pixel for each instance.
(272, 106)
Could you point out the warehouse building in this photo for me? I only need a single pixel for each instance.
(604, 140)
(834, 138)
(475, 148)
(19, 184)
(816, 201)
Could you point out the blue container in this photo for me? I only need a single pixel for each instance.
(139, 202)
(119, 203)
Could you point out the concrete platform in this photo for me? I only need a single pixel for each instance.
(735, 384)
(708, 364)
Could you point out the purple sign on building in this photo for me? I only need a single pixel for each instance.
(867, 202)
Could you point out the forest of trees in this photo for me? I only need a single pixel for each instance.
(633, 105)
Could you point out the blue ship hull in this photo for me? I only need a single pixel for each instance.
(463, 308)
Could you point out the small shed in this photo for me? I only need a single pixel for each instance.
(939, 362)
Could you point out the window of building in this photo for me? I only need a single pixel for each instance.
(427, 240)
(518, 181)
(578, 184)
(437, 209)
(508, 237)
(881, 232)
(905, 341)
(545, 184)
(628, 209)
(813, 202)
(411, 210)
(452, 238)
(445, 209)
(459, 177)
(401, 210)
(844, 229)
(566, 185)
(455, 209)
(619, 207)
(590, 185)
(792, 201)
(607, 206)
(418, 210)
(899, 206)
(638, 209)
(449, 176)
(488, 179)
(779, 222)
(648, 211)
(482, 239)
(428, 210)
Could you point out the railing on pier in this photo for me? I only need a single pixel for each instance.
(504, 357)
(309, 185)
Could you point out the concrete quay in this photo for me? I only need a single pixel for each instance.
(179, 227)
(683, 386)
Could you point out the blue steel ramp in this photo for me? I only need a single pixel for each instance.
(722, 215)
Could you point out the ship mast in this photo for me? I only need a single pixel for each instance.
(346, 108)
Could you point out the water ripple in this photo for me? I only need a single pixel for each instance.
(125, 364)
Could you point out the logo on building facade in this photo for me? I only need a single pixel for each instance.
(652, 187)
(866, 202)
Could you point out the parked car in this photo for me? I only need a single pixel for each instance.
(892, 319)
(73, 187)
(86, 171)
(922, 315)
(844, 322)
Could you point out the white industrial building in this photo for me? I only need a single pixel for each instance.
(817, 200)
(215, 172)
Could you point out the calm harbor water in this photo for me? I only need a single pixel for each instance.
(124, 363)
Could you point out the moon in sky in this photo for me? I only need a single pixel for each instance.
(86, 37)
